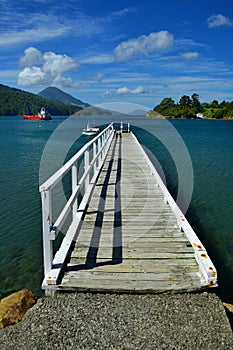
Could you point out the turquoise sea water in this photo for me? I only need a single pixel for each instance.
(22, 145)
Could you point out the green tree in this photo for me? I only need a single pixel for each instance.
(185, 101)
(214, 104)
(165, 107)
(196, 105)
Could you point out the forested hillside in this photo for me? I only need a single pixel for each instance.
(60, 96)
(189, 107)
(17, 102)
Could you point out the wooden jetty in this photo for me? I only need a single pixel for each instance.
(125, 233)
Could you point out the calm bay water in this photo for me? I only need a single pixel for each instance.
(22, 145)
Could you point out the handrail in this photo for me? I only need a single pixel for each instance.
(206, 266)
(94, 153)
(65, 168)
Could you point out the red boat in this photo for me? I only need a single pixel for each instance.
(42, 115)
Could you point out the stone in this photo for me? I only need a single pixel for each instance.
(228, 306)
(14, 307)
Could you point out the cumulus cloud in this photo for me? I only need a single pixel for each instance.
(31, 56)
(55, 64)
(124, 91)
(143, 45)
(190, 55)
(31, 76)
(45, 68)
(138, 90)
(219, 20)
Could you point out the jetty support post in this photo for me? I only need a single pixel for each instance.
(74, 174)
(121, 127)
(98, 150)
(94, 156)
(86, 168)
(47, 223)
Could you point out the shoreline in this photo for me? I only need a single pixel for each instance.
(155, 115)
(173, 118)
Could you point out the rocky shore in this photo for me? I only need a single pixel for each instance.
(122, 321)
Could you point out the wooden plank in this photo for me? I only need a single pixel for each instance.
(141, 240)
(146, 264)
(158, 245)
(126, 268)
(148, 229)
(131, 286)
(168, 277)
(127, 208)
(162, 253)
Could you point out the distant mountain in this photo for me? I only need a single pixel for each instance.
(55, 94)
(139, 113)
(93, 111)
(18, 102)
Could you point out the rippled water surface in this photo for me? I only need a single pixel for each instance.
(209, 144)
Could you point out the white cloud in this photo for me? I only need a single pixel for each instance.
(138, 90)
(143, 45)
(124, 91)
(29, 35)
(96, 77)
(107, 93)
(55, 64)
(32, 56)
(190, 55)
(23, 26)
(101, 59)
(31, 76)
(45, 68)
(219, 20)
(123, 12)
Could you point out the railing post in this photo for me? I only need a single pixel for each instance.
(74, 185)
(94, 155)
(47, 222)
(86, 166)
(101, 145)
(98, 149)
(121, 127)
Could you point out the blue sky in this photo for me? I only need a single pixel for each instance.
(119, 51)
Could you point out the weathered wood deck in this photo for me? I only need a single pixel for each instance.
(129, 238)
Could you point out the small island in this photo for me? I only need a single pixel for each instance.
(191, 108)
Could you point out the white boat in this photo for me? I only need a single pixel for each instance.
(90, 130)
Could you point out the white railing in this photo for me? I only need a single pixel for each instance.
(93, 154)
(206, 266)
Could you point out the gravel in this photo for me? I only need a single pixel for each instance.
(122, 321)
